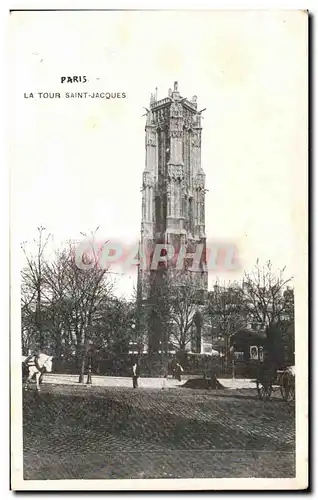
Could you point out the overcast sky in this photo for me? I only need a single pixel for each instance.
(77, 163)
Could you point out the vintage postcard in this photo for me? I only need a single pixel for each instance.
(158, 164)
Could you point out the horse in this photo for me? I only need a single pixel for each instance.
(37, 365)
(287, 383)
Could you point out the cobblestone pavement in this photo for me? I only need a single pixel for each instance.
(100, 433)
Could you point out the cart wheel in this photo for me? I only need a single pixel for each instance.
(264, 390)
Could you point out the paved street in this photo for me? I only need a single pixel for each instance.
(113, 432)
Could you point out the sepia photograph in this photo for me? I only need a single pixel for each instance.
(159, 274)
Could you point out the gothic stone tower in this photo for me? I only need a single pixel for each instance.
(173, 190)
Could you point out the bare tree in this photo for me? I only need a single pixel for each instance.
(182, 300)
(116, 321)
(227, 311)
(171, 314)
(33, 283)
(264, 293)
(287, 324)
(57, 276)
(63, 297)
(87, 288)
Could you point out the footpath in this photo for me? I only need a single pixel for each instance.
(143, 382)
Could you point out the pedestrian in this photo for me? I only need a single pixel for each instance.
(164, 375)
(173, 367)
(179, 371)
(135, 374)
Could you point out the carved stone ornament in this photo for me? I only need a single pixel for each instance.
(175, 173)
(196, 141)
(176, 110)
(146, 231)
(188, 125)
(176, 124)
(198, 183)
(147, 181)
(188, 121)
(197, 120)
(176, 134)
(151, 140)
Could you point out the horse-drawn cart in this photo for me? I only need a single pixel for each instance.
(270, 379)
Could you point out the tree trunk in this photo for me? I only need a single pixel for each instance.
(82, 370)
(58, 346)
(39, 322)
(83, 362)
(78, 353)
(182, 346)
(84, 343)
(81, 356)
(226, 343)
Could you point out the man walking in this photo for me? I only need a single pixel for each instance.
(179, 371)
(135, 371)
